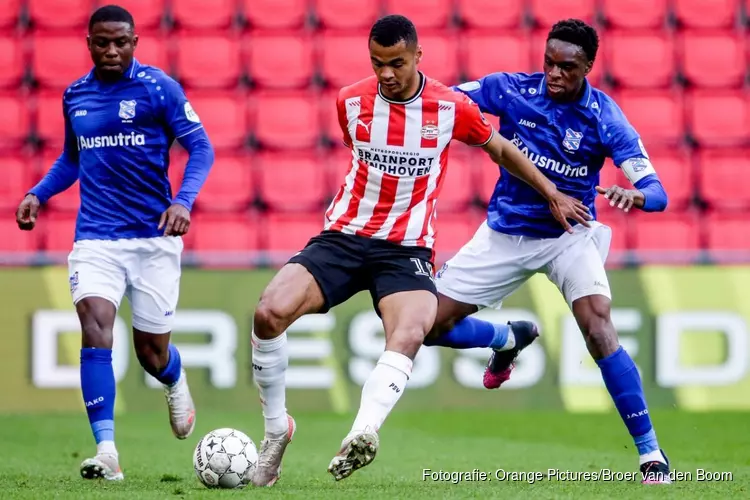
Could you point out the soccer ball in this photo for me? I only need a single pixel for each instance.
(225, 458)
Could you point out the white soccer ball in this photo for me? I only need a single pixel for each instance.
(225, 458)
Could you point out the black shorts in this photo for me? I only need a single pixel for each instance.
(345, 264)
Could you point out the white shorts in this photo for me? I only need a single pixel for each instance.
(493, 265)
(146, 270)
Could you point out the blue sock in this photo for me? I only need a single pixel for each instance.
(98, 388)
(624, 385)
(472, 332)
(171, 373)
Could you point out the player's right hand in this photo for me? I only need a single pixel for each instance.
(564, 207)
(27, 212)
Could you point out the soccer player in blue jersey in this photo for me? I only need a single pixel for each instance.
(120, 121)
(567, 128)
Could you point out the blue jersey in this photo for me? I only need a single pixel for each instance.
(117, 140)
(568, 142)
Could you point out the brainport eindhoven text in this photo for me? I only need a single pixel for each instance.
(532, 477)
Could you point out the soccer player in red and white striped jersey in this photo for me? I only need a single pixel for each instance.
(378, 236)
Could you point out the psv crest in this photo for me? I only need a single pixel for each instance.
(127, 110)
(572, 140)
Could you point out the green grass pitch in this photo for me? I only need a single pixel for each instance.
(41, 454)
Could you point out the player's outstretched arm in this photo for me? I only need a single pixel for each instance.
(563, 207)
(62, 175)
(649, 194)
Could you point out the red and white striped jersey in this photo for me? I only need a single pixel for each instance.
(399, 157)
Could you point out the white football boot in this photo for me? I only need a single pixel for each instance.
(181, 407)
(272, 448)
(356, 452)
(102, 466)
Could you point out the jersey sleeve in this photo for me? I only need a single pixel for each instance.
(488, 92)
(343, 120)
(471, 127)
(179, 115)
(624, 145)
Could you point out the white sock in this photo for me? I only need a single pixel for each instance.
(381, 391)
(106, 448)
(270, 360)
(653, 456)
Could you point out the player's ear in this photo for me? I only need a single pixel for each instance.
(135, 41)
(418, 54)
(587, 69)
(88, 41)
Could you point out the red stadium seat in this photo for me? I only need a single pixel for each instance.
(286, 234)
(209, 61)
(279, 60)
(230, 185)
(491, 14)
(49, 125)
(488, 174)
(698, 14)
(70, 199)
(286, 120)
(16, 172)
(236, 233)
(55, 14)
(9, 13)
(722, 174)
(675, 170)
(539, 46)
(718, 118)
(635, 13)
(344, 58)
(147, 14)
(424, 14)
(667, 232)
(276, 14)
(440, 58)
(617, 220)
(483, 54)
(224, 115)
(640, 59)
(458, 185)
(58, 230)
(452, 232)
(53, 71)
(292, 182)
(14, 127)
(656, 115)
(338, 14)
(199, 14)
(728, 233)
(548, 12)
(329, 118)
(152, 50)
(713, 58)
(11, 62)
(14, 240)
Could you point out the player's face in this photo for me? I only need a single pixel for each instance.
(396, 68)
(565, 66)
(111, 45)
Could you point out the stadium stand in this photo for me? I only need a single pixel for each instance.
(263, 75)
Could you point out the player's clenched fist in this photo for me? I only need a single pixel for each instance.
(623, 198)
(564, 207)
(175, 220)
(27, 212)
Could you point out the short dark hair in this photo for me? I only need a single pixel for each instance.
(111, 13)
(578, 33)
(390, 30)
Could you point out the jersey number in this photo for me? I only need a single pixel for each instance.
(420, 265)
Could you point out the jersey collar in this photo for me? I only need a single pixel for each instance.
(423, 82)
(583, 102)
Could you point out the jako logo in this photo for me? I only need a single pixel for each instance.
(639, 414)
(110, 141)
(527, 123)
(100, 399)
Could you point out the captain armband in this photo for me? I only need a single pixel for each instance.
(636, 169)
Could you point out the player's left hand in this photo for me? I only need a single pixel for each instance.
(175, 220)
(624, 199)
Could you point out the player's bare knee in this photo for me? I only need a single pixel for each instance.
(598, 330)
(271, 318)
(407, 340)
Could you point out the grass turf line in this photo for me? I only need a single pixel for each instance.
(41, 454)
